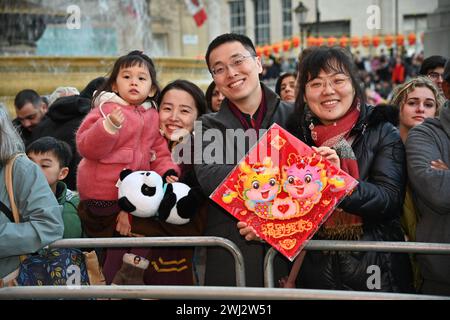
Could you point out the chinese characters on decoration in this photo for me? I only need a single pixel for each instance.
(284, 190)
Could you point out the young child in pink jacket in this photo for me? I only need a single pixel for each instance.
(120, 132)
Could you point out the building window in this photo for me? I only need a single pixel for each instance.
(262, 22)
(237, 10)
(336, 28)
(414, 23)
(287, 18)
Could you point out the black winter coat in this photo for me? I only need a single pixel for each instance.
(25, 134)
(61, 122)
(378, 199)
(220, 268)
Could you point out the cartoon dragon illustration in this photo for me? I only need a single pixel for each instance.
(257, 185)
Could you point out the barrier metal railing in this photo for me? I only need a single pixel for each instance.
(158, 242)
(380, 246)
(198, 293)
(221, 293)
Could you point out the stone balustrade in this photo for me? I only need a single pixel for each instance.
(45, 74)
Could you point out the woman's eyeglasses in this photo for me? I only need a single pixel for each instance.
(336, 82)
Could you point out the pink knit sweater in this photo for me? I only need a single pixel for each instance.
(134, 146)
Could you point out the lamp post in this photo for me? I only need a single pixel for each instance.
(317, 18)
(300, 13)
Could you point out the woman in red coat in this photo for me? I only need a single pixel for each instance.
(398, 73)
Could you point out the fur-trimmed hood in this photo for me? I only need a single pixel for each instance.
(106, 96)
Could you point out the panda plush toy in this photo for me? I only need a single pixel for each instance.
(144, 194)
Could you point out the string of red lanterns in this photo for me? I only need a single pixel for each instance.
(355, 41)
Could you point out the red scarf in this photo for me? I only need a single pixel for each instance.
(341, 225)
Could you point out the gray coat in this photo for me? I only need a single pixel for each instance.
(40, 215)
(220, 264)
(431, 188)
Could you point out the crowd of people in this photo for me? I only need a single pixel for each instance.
(383, 121)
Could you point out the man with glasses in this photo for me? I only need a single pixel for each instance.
(433, 68)
(30, 109)
(248, 107)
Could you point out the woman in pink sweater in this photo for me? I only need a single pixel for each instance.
(120, 132)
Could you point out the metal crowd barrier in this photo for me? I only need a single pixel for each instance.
(380, 246)
(160, 242)
(198, 293)
(221, 293)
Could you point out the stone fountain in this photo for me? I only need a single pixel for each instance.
(41, 47)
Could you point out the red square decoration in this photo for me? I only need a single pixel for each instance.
(284, 190)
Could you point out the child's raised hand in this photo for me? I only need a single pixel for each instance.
(171, 179)
(170, 176)
(116, 117)
(123, 225)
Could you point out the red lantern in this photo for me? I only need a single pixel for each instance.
(343, 41)
(320, 41)
(311, 42)
(365, 41)
(259, 51)
(332, 41)
(412, 39)
(286, 45)
(388, 40)
(355, 41)
(267, 50)
(400, 39)
(276, 47)
(295, 42)
(376, 41)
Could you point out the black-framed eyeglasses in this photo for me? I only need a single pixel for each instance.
(236, 63)
(435, 75)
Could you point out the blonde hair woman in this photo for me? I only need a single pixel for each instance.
(415, 100)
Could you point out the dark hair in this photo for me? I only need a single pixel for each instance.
(315, 59)
(45, 100)
(280, 80)
(430, 63)
(133, 58)
(27, 96)
(446, 74)
(209, 95)
(93, 85)
(189, 87)
(230, 37)
(59, 148)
